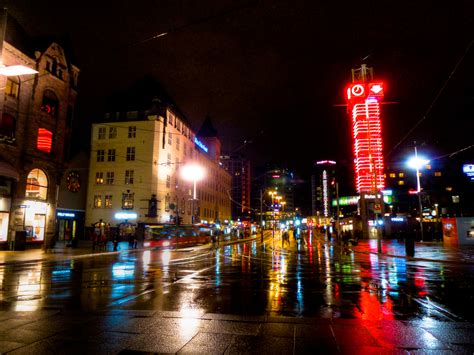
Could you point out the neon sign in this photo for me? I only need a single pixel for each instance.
(66, 214)
(331, 162)
(468, 169)
(200, 144)
(125, 215)
(364, 108)
(45, 140)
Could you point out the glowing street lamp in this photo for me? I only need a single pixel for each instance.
(15, 70)
(418, 163)
(194, 173)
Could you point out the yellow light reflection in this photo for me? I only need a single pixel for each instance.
(189, 324)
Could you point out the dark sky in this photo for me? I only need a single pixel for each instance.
(278, 66)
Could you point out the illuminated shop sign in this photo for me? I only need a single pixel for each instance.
(397, 219)
(354, 200)
(125, 215)
(66, 214)
(200, 144)
(331, 162)
(468, 169)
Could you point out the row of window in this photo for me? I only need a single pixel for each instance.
(111, 154)
(110, 177)
(400, 175)
(102, 133)
(128, 200)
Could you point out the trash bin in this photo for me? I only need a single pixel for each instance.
(20, 240)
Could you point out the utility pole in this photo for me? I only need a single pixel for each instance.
(418, 189)
(261, 215)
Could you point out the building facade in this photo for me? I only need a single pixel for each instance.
(239, 168)
(323, 188)
(134, 172)
(36, 114)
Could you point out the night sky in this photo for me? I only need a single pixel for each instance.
(273, 73)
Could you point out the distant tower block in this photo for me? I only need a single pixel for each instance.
(363, 105)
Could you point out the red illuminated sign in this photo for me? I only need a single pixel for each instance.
(45, 140)
(364, 108)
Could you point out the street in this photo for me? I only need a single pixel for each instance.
(307, 279)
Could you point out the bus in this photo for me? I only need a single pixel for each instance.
(168, 236)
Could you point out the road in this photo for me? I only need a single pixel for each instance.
(309, 278)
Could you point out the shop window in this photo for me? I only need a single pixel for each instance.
(99, 178)
(128, 200)
(12, 87)
(45, 140)
(7, 128)
(100, 155)
(97, 201)
(132, 132)
(101, 134)
(108, 201)
(129, 177)
(50, 103)
(111, 155)
(112, 132)
(130, 153)
(37, 185)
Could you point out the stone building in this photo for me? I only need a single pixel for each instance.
(36, 113)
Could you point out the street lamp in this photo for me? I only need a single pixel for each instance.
(417, 163)
(194, 173)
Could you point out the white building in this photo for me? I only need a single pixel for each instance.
(135, 165)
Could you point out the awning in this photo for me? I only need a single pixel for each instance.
(9, 171)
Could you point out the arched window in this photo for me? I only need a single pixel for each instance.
(37, 184)
(50, 104)
(7, 126)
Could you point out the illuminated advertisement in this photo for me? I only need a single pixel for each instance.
(200, 144)
(468, 169)
(325, 194)
(363, 104)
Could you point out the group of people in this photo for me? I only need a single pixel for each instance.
(102, 234)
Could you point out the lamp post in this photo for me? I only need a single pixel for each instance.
(417, 163)
(194, 173)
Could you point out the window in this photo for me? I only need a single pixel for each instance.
(129, 177)
(177, 143)
(401, 174)
(110, 177)
(108, 201)
(37, 184)
(100, 155)
(437, 173)
(449, 189)
(102, 131)
(50, 103)
(168, 159)
(130, 153)
(393, 175)
(112, 132)
(167, 202)
(401, 182)
(45, 140)
(97, 201)
(178, 125)
(185, 149)
(111, 155)
(12, 88)
(127, 200)
(99, 178)
(183, 206)
(168, 181)
(7, 127)
(132, 132)
(170, 118)
(170, 138)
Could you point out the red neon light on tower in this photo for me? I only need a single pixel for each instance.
(363, 103)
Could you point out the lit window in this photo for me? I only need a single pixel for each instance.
(99, 178)
(50, 103)
(428, 166)
(129, 177)
(128, 200)
(7, 128)
(45, 140)
(108, 201)
(110, 177)
(132, 132)
(401, 182)
(111, 155)
(437, 173)
(100, 155)
(393, 175)
(37, 184)
(101, 134)
(12, 88)
(130, 153)
(401, 174)
(112, 132)
(449, 188)
(97, 201)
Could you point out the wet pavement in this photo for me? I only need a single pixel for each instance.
(311, 296)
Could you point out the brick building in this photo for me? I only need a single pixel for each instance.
(36, 114)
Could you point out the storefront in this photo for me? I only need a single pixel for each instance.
(69, 226)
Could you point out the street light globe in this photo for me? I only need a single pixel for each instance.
(417, 162)
(192, 172)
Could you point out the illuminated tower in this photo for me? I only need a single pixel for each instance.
(363, 105)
